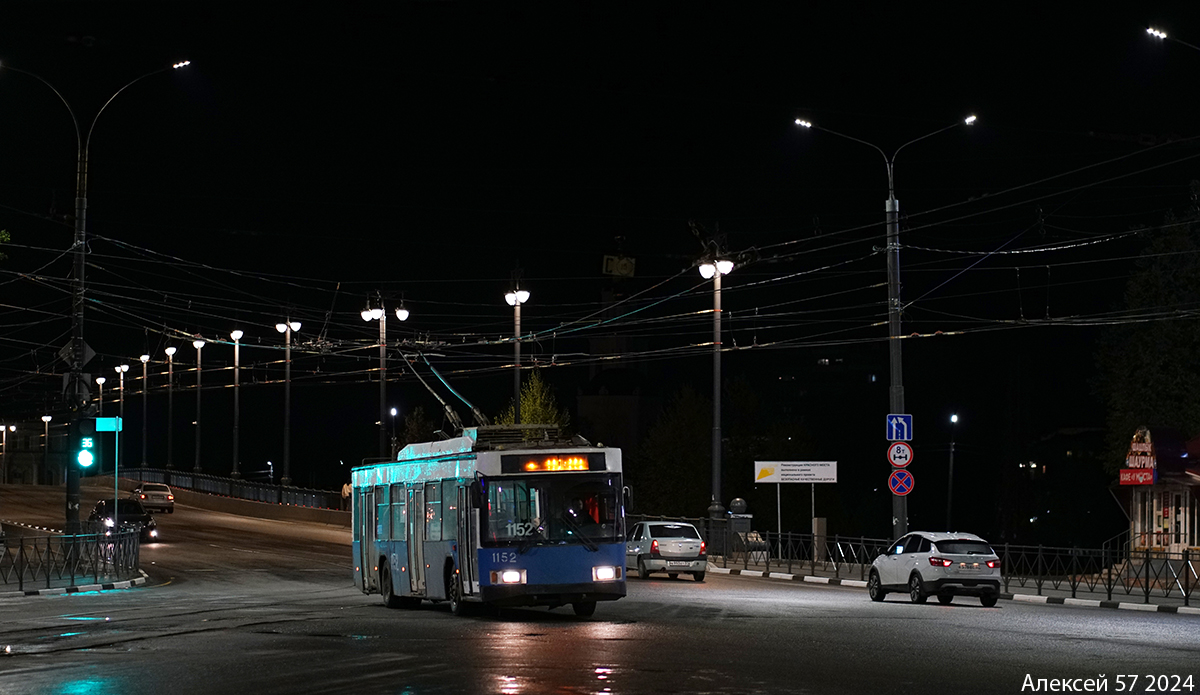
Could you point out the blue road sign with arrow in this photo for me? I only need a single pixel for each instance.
(899, 428)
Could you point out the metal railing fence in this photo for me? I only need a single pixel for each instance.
(233, 487)
(1114, 570)
(53, 560)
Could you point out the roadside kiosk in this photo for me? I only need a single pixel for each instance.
(1162, 477)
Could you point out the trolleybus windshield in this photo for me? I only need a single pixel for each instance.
(552, 509)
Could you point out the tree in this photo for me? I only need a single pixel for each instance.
(1149, 365)
(417, 427)
(4, 239)
(671, 473)
(538, 405)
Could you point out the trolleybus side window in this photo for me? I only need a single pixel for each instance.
(382, 524)
(449, 509)
(433, 512)
(399, 518)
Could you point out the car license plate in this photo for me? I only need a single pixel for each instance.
(677, 563)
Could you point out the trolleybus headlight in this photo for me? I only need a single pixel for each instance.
(508, 576)
(605, 574)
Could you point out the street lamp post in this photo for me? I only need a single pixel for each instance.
(9, 428)
(121, 412)
(170, 405)
(515, 299)
(198, 343)
(895, 364)
(37, 474)
(100, 402)
(950, 480)
(237, 414)
(145, 411)
(378, 314)
(714, 268)
(77, 389)
(287, 328)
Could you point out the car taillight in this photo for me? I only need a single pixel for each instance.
(654, 547)
(143, 495)
(170, 497)
(702, 547)
(993, 564)
(940, 562)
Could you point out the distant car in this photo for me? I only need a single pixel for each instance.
(924, 564)
(674, 547)
(130, 514)
(155, 496)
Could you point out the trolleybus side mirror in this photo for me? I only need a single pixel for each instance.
(478, 492)
(626, 497)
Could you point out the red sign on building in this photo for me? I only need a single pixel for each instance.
(1137, 476)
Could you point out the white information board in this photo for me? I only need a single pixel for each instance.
(795, 471)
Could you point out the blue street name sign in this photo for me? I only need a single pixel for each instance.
(899, 428)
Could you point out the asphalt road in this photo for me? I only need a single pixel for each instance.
(238, 605)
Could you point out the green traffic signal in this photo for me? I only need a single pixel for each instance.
(84, 456)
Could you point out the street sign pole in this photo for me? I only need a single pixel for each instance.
(899, 426)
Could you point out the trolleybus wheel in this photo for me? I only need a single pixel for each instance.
(643, 573)
(454, 592)
(584, 608)
(385, 587)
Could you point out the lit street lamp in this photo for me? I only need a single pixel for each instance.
(515, 299)
(121, 412)
(1162, 36)
(287, 328)
(237, 414)
(145, 411)
(378, 314)
(950, 482)
(170, 405)
(37, 477)
(100, 409)
(198, 343)
(892, 207)
(393, 433)
(713, 268)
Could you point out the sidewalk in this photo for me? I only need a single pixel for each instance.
(1028, 594)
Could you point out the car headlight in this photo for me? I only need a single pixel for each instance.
(606, 574)
(154, 533)
(508, 576)
(109, 523)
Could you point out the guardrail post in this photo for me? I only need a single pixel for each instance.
(1187, 577)
(837, 549)
(791, 550)
(1108, 586)
(1146, 583)
(862, 560)
(21, 566)
(1005, 566)
(1074, 570)
(813, 561)
(1039, 570)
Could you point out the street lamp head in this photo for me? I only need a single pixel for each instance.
(393, 412)
(181, 64)
(402, 313)
(123, 368)
(970, 120)
(724, 267)
(803, 123)
(1156, 33)
(12, 428)
(954, 418)
(295, 325)
(236, 335)
(46, 418)
(377, 313)
(281, 327)
(170, 351)
(365, 314)
(100, 380)
(707, 270)
(197, 343)
(517, 297)
(144, 358)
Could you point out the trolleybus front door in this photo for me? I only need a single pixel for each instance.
(466, 540)
(369, 554)
(416, 538)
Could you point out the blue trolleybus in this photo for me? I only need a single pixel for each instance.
(502, 515)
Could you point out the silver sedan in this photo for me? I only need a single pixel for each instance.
(674, 547)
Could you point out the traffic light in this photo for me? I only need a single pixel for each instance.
(84, 449)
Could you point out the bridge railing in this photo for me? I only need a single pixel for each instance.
(236, 487)
(1111, 571)
(50, 561)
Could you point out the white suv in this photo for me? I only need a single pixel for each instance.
(945, 565)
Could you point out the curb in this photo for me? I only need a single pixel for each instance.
(1024, 598)
(58, 591)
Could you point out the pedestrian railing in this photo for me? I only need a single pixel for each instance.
(1113, 570)
(235, 487)
(37, 562)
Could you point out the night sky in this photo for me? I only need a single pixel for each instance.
(312, 156)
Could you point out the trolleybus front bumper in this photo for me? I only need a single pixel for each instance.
(551, 594)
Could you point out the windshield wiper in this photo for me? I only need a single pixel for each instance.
(529, 540)
(587, 542)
